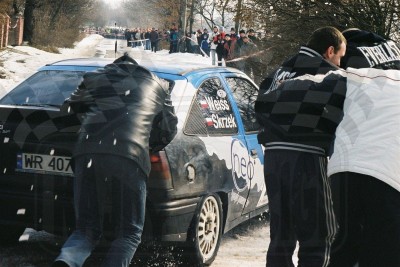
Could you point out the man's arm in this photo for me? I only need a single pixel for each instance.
(164, 127)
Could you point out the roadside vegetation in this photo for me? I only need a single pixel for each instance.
(283, 25)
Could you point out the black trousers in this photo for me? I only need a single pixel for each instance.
(368, 212)
(300, 207)
(154, 47)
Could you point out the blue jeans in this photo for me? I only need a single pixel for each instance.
(97, 177)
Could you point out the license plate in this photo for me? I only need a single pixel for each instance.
(40, 163)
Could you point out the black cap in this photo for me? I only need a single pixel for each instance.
(242, 31)
(367, 49)
(232, 29)
(251, 30)
(227, 35)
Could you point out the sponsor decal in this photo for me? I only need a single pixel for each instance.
(222, 122)
(216, 104)
(203, 104)
(242, 166)
(221, 93)
(209, 122)
(247, 173)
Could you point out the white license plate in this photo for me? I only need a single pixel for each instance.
(40, 163)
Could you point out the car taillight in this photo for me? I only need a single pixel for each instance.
(160, 174)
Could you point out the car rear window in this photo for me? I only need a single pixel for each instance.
(49, 87)
(211, 112)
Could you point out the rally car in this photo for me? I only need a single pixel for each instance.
(205, 182)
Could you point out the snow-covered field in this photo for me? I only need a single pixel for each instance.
(244, 246)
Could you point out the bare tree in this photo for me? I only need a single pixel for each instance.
(289, 23)
(55, 23)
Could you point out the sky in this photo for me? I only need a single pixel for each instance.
(113, 3)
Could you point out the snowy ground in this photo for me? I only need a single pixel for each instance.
(244, 246)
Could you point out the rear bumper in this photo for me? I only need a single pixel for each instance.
(46, 204)
(43, 204)
(169, 221)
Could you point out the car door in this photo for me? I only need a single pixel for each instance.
(245, 93)
(213, 120)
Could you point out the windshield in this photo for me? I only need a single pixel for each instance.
(50, 87)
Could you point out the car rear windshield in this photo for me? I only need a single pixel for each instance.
(50, 87)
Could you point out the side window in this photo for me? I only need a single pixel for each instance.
(245, 94)
(211, 112)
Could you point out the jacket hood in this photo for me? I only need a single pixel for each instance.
(366, 49)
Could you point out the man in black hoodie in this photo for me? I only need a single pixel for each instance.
(126, 113)
(296, 142)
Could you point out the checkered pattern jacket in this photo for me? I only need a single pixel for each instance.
(300, 113)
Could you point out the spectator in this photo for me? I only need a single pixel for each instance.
(147, 37)
(220, 47)
(233, 35)
(252, 36)
(113, 152)
(194, 43)
(127, 36)
(239, 43)
(298, 127)
(204, 44)
(173, 39)
(246, 51)
(188, 43)
(229, 48)
(154, 38)
(199, 34)
(213, 46)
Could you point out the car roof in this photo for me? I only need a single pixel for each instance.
(179, 68)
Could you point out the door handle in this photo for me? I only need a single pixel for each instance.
(253, 153)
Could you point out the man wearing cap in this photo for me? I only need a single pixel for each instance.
(239, 42)
(364, 168)
(252, 36)
(298, 125)
(204, 43)
(247, 49)
(233, 35)
(154, 38)
(229, 47)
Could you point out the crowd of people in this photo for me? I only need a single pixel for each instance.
(238, 50)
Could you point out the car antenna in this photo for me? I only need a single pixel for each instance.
(115, 31)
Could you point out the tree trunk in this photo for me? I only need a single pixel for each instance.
(238, 17)
(29, 20)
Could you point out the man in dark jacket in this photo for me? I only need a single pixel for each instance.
(154, 38)
(296, 135)
(126, 113)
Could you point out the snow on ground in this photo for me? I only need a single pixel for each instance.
(19, 62)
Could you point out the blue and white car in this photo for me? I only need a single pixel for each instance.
(205, 182)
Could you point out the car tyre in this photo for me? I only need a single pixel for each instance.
(206, 231)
